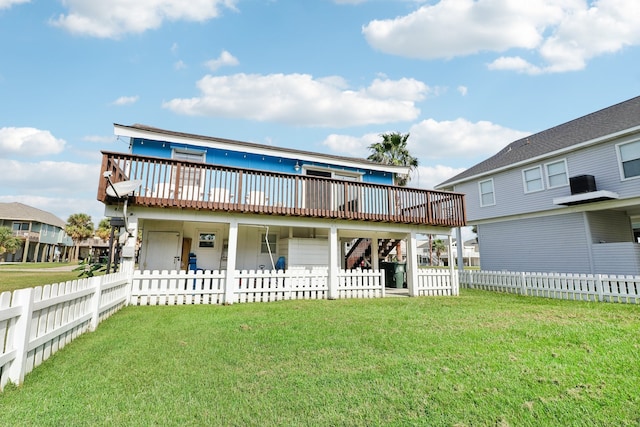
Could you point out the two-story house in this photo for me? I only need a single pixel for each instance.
(221, 204)
(566, 199)
(42, 233)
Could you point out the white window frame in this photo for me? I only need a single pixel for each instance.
(525, 182)
(566, 173)
(493, 192)
(620, 161)
(273, 243)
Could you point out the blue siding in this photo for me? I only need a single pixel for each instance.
(146, 147)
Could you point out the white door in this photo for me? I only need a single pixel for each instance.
(163, 251)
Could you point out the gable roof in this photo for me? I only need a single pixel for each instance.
(149, 132)
(609, 121)
(21, 212)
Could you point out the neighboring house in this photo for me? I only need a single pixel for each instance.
(42, 233)
(470, 253)
(94, 248)
(566, 199)
(243, 206)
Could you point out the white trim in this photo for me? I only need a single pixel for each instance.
(524, 179)
(620, 168)
(493, 191)
(566, 173)
(120, 130)
(585, 197)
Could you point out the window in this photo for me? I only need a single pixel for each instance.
(532, 179)
(20, 226)
(272, 239)
(487, 197)
(557, 174)
(206, 240)
(630, 159)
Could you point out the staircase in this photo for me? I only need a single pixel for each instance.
(361, 250)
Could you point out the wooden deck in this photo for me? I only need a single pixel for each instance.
(190, 185)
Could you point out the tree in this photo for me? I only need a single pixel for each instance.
(79, 227)
(438, 248)
(104, 229)
(8, 242)
(392, 150)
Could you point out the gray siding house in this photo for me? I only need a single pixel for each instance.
(566, 199)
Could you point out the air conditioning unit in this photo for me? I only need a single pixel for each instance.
(582, 184)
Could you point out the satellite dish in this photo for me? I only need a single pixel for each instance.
(123, 188)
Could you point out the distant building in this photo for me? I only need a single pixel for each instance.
(42, 233)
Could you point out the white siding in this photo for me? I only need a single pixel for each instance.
(307, 253)
(610, 226)
(601, 161)
(550, 244)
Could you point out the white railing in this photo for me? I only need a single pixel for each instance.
(437, 282)
(37, 322)
(585, 287)
(210, 287)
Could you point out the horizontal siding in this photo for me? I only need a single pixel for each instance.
(617, 258)
(551, 244)
(601, 161)
(610, 226)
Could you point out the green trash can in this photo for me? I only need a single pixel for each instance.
(399, 272)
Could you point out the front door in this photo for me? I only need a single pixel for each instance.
(163, 251)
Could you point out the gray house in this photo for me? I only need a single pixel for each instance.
(566, 199)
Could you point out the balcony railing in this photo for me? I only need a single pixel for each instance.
(191, 185)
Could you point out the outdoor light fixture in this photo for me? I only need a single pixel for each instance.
(297, 166)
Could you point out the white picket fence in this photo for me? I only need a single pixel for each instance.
(437, 282)
(584, 287)
(37, 322)
(210, 287)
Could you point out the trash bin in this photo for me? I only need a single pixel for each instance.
(193, 262)
(388, 268)
(398, 273)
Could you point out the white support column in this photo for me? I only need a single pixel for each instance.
(412, 264)
(452, 272)
(460, 245)
(334, 264)
(232, 256)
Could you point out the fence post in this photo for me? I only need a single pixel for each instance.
(22, 298)
(599, 289)
(523, 284)
(96, 284)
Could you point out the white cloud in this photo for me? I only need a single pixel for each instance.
(126, 100)
(49, 177)
(115, 18)
(299, 99)
(564, 34)
(6, 4)
(352, 146)
(459, 138)
(28, 142)
(463, 90)
(427, 177)
(224, 60)
(179, 65)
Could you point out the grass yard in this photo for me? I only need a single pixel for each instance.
(481, 359)
(30, 274)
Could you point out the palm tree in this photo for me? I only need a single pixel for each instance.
(438, 248)
(8, 242)
(392, 150)
(79, 227)
(104, 229)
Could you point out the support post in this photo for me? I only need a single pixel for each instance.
(21, 298)
(453, 278)
(412, 264)
(460, 247)
(230, 280)
(333, 262)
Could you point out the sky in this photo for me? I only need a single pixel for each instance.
(463, 77)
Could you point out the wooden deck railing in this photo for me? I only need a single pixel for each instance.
(183, 184)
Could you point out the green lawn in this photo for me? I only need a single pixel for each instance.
(481, 359)
(32, 274)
